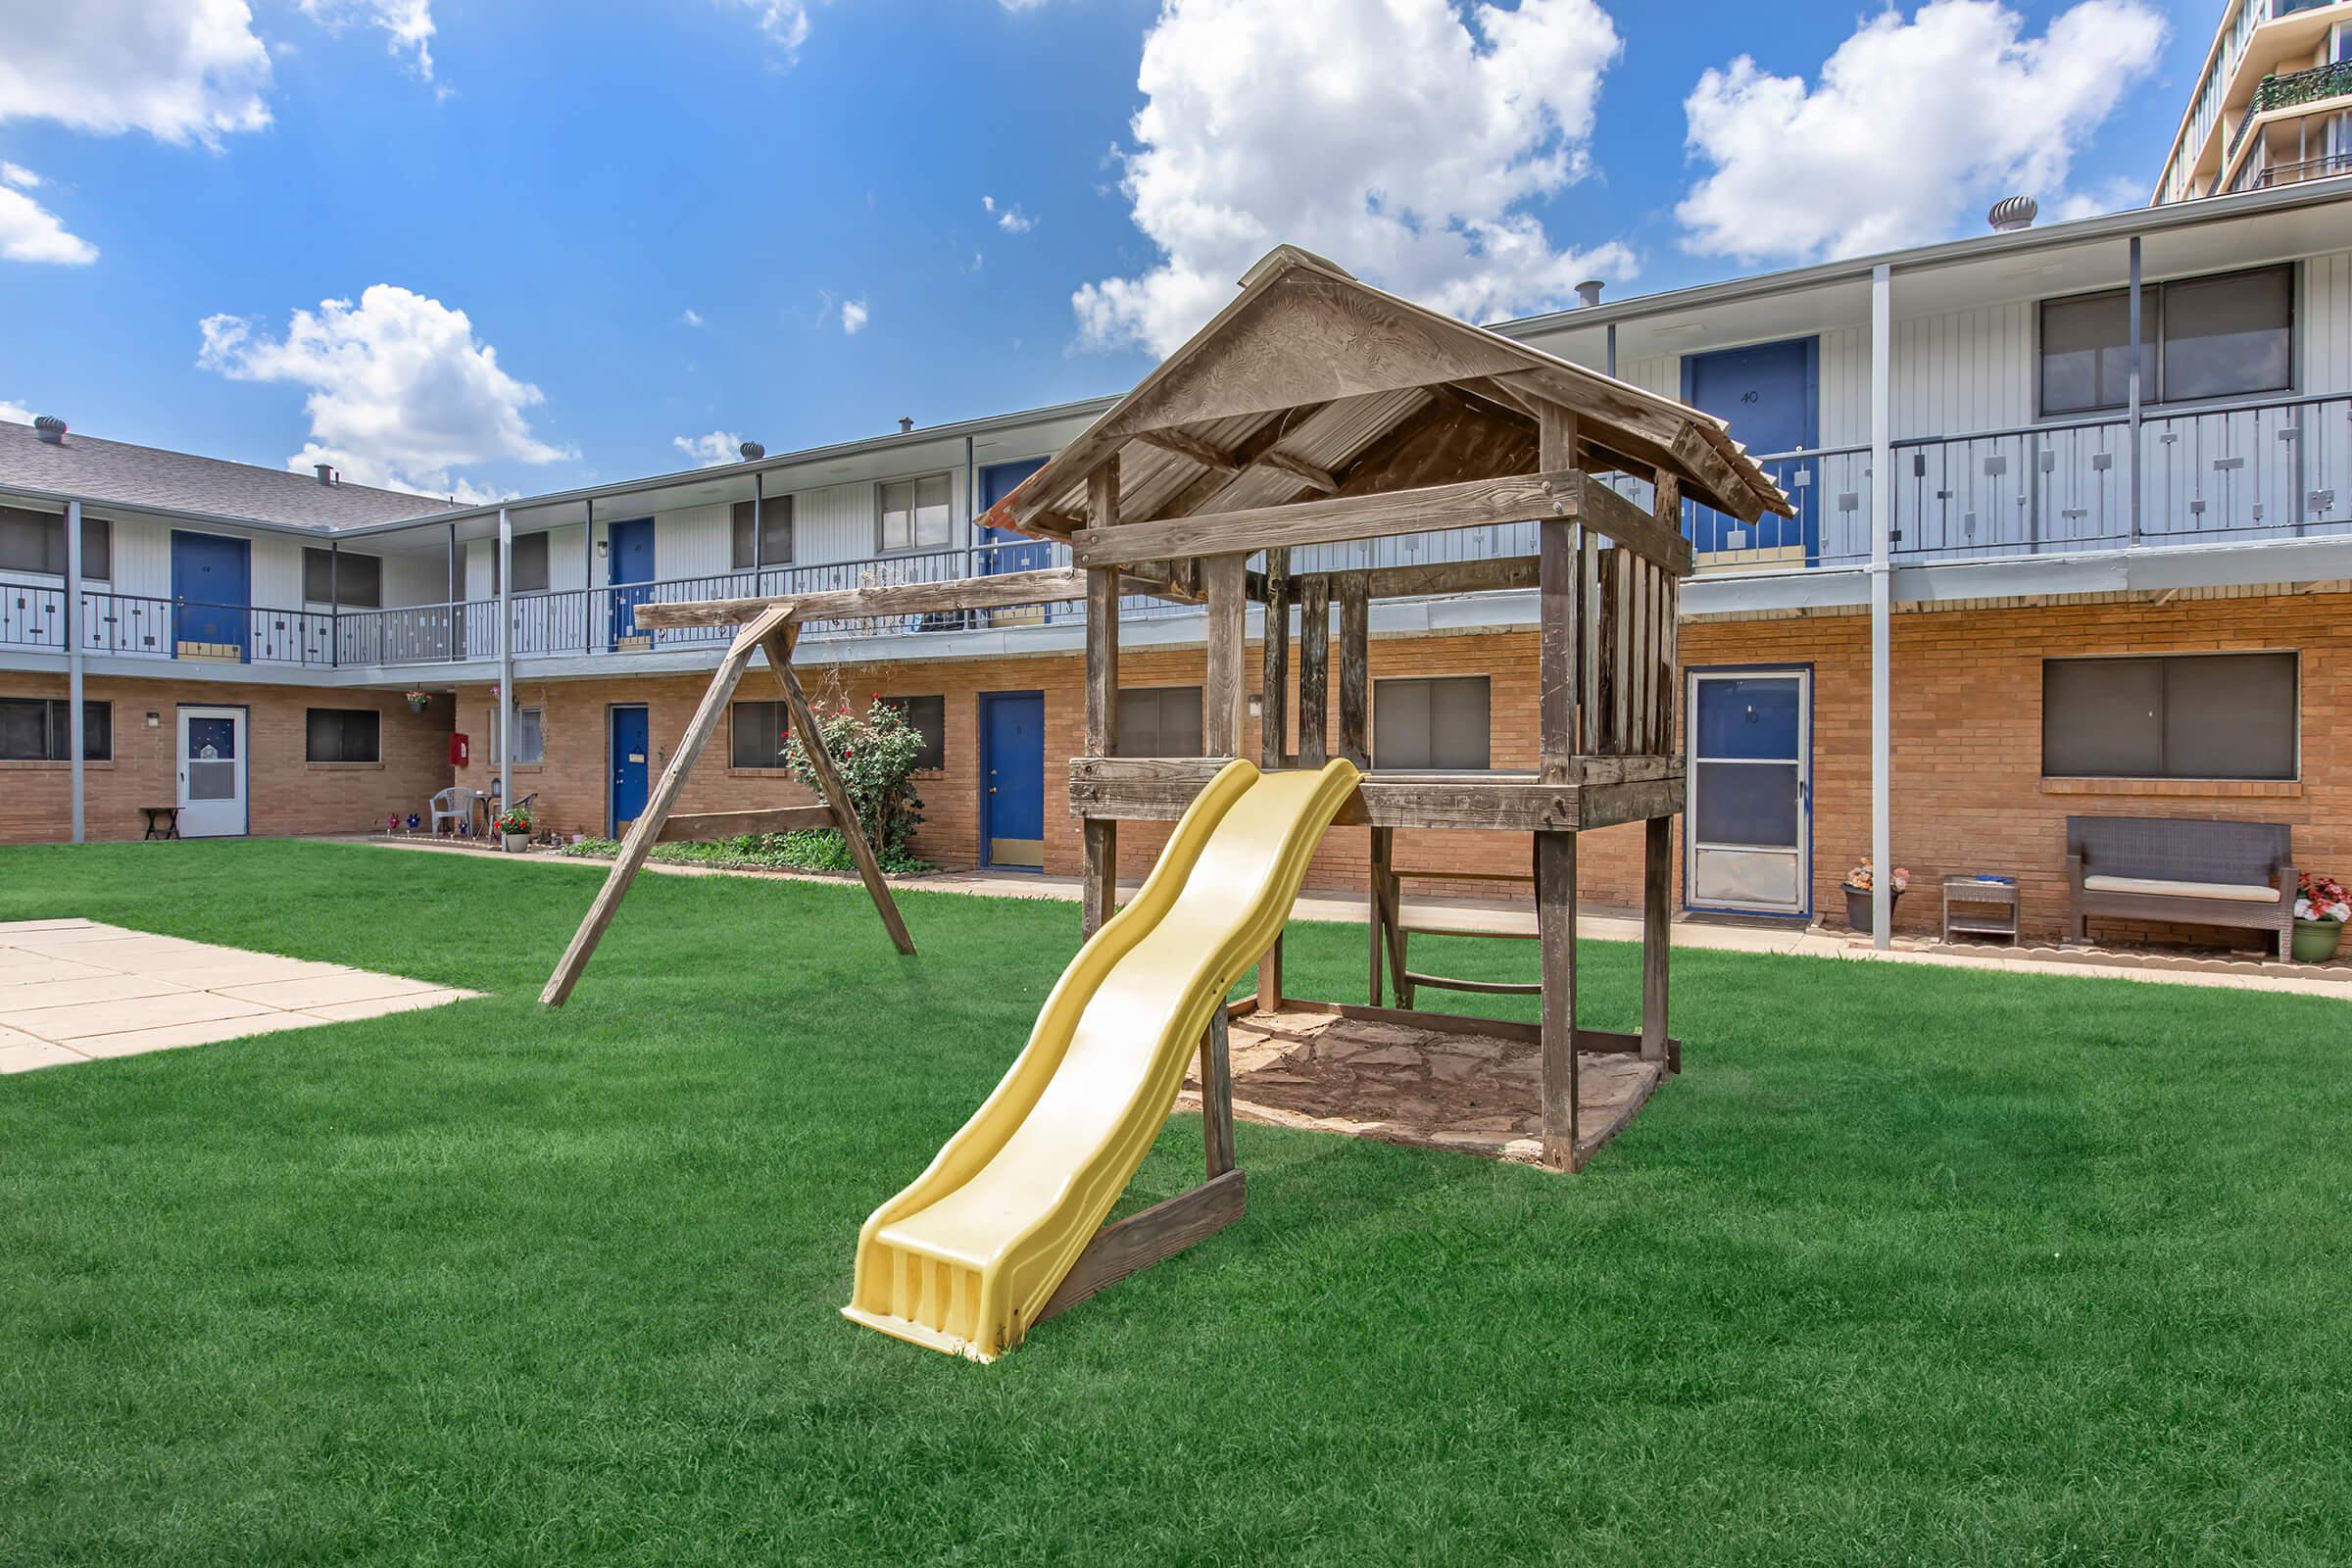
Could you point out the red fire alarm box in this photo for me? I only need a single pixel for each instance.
(460, 751)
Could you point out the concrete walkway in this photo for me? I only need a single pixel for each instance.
(75, 991)
(2333, 980)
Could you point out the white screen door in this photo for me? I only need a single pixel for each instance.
(212, 772)
(1748, 828)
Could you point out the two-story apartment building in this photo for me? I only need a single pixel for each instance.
(2273, 103)
(2092, 578)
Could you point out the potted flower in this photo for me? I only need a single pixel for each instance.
(2321, 906)
(419, 701)
(513, 828)
(1859, 886)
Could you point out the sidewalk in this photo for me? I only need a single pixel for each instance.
(1777, 937)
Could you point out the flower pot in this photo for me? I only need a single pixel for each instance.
(515, 842)
(1858, 907)
(2316, 939)
(418, 705)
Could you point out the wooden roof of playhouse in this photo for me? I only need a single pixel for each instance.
(1311, 384)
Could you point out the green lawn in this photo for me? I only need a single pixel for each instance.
(1910, 1265)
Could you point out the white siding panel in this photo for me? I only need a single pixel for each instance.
(835, 524)
(692, 542)
(416, 578)
(278, 571)
(2327, 315)
(1960, 371)
(1845, 387)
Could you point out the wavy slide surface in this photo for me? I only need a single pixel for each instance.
(964, 1258)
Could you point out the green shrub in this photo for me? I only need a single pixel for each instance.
(810, 850)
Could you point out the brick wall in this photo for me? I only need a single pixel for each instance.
(287, 794)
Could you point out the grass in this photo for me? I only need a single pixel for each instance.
(1911, 1265)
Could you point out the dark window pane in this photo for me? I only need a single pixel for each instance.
(343, 735)
(2102, 718)
(351, 580)
(774, 533)
(32, 541)
(97, 732)
(24, 729)
(756, 734)
(1440, 723)
(1746, 804)
(1159, 722)
(2085, 361)
(530, 553)
(2229, 715)
(1401, 728)
(928, 718)
(317, 577)
(97, 549)
(2228, 336)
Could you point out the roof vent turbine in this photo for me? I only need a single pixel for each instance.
(2012, 212)
(50, 428)
(751, 451)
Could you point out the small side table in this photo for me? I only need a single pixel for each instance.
(1979, 906)
(162, 822)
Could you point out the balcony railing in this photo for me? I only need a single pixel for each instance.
(2268, 468)
(2295, 174)
(2330, 80)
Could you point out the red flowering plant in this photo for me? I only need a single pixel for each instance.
(2322, 898)
(874, 752)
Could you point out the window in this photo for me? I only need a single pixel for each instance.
(530, 745)
(2182, 715)
(35, 541)
(333, 577)
(1431, 724)
(529, 555)
(343, 735)
(1159, 722)
(774, 543)
(914, 513)
(756, 734)
(928, 717)
(2229, 335)
(38, 729)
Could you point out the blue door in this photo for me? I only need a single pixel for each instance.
(1771, 395)
(1013, 550)
(632, 742)
(629, 562)
(1012, 780)
(212, 596)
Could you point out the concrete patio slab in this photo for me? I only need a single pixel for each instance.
(123, 992)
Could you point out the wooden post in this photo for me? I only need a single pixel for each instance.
(1355, 670)
(829, 785)
(1274, 694)
(1099, 894)
(1555, 927)
(1383, 845)
(1555, 681)
(646, 831)
(1667, 506)
(1224, 699)
(1314, 667)
(1657, 916)
(1216, 1094)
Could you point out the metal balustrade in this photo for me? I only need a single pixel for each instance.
(2274, 468)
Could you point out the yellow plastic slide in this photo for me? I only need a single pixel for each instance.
(964, 1258)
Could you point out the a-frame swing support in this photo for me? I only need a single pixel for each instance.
(771, 630)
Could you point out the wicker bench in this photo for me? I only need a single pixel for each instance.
(2190, 870)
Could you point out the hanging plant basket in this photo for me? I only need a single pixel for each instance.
(419, 701)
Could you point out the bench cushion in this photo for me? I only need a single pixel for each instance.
(2158, 886)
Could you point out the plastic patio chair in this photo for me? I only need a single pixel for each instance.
(452, 805)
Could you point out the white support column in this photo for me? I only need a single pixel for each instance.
(504, 709)
(2132, 327)
(74, 737)
(1882, 602)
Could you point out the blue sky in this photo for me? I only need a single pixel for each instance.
(576, 179)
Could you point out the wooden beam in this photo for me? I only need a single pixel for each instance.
(1382, 855)
(1494, 575)
(702, 825)
(1274, 685)
(829, 785)
(1153, 1235)
(1193, 450)
(1589, 1042)
(1356, 670)
(1224, 699)
(1658, 916)
(1216, 1094)
(1314, 669)
(1556, 657)
(1157, 789)
(1556, 924)
(1636, 531)
(1335, 519)
(646, 831)
(1298, 468)
(1098, 889)
(1058, 584)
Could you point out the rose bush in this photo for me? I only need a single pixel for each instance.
(874, 752)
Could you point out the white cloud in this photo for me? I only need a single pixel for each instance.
(1913, 127)
(1403, 147)
(692, 316)
(29, 231)
(853, 317)
(400, 390)
(12, 413)
(711, 449)
(1012, 219)
(785, 22)
(179, 69)
(407, 24)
